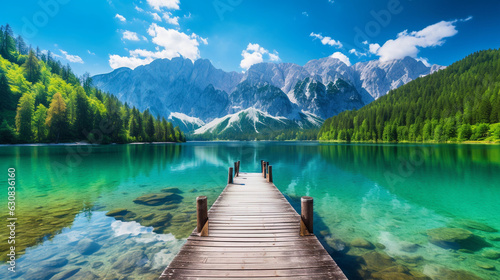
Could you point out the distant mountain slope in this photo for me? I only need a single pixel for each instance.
(323, 87)
(250, 122)
(457, 103)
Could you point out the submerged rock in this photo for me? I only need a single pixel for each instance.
(494, 237)
(127, 263)
(491, 254)
(172, 190)
(485, 266)
(456, 238)
(66, 274)
(362, 243)
(117, 212)
(169, 207)
(54, 263)
(87, 247)
(156, 199)
(376, 261)
(443, 273)
(477, 225)
(380, 246)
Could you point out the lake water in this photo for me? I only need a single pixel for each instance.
(388, 195)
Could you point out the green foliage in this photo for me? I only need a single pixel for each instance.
(454, 104)
(23, 117)
(39, 126)
(7, 134)
(68, 108)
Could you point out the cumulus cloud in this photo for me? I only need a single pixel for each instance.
(169, 4)
(305, 14)
(254, 54)
(170, 19)
(129, 35)
(71, 58)
(342, 57)
(156, 16)
(169, 43)
(121, 18)
(326, 40)
(410, 43)
(356, 53)
(91, 53)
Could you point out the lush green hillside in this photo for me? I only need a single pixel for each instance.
(459, 103)
(43, 101)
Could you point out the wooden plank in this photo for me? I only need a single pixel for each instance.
(253, 233)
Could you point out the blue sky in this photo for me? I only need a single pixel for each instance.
(97, 36)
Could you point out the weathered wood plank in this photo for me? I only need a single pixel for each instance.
(253, 234)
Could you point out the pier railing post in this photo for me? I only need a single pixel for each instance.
(235, 169)
(238, 171)
(270, 174)
(262, 164)
(202, 215)
(230, 176)
(265, 169)
(306, 223)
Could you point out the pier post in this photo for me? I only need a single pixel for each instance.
(202, 215)
(270, 174)
(261, 166)
(230, 176)
(306, 215)
(265, 169)
(238, 168)
(235, 169)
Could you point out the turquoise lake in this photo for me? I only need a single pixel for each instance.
(388, 195)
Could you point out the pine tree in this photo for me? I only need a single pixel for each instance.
(39, 126)
(32, 68)
(7, 134)
(83, 121)
(24, 117)
(57, 120)
(6, 102)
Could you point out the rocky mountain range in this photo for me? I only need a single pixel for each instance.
(279, 95)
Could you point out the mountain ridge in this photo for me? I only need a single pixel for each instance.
(199, 90)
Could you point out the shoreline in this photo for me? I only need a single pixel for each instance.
(82, 144)
(408, 142)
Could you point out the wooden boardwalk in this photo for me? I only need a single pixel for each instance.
(253, 233)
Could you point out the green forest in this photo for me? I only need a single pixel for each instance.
(43, 101)
(457, 104)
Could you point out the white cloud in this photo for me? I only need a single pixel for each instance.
(409, 43)
(356, 53)
(169, 43)
(169, 4)
(342, 57)
(326, 40)
(121, 18)
(331, 1)
(71, 58)
(172, 20)
(424, 60)
(156, 16)
(139, 9)
(129, 35)
(305, 14)
(373, 48)
(91, 53)
(254, 54)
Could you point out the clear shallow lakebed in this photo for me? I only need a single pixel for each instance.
(382, 211)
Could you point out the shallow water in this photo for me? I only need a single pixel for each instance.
(389, 195)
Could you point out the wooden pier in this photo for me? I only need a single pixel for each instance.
(252, 232)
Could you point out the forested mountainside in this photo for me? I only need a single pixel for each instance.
(43, 101)
(459, 103)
